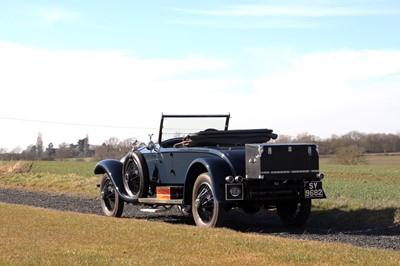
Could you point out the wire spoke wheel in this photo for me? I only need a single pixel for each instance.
(205, 203)
(111, 203)
(132, 177)
(206, 210)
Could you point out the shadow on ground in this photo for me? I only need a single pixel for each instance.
(333, 221)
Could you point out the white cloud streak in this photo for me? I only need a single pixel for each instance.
(292, 10)
(320, 93)
(51, 16)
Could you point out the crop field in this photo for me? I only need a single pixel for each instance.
(372, 191)
(366, 195)
(71, 177)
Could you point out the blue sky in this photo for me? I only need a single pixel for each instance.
(322, 67)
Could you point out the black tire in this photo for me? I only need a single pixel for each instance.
(111, 203)
(206, 210)
(135, 176)
(294, 214)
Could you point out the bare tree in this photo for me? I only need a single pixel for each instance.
(39, 146)
(351, 155)
(112, 148)
(283, 139)
(63, 151)
(17, 149)
(306, 138)
(30, 153)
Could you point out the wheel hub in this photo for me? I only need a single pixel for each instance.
(197, 203)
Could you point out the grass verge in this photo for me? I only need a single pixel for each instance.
(69, 177)
(32, 236)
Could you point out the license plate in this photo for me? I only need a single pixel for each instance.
(313, 189)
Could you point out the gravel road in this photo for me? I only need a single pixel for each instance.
(320, 226)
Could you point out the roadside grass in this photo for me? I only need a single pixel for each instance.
(70, 177)
(34, 236)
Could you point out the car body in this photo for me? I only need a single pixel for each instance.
(206, 169)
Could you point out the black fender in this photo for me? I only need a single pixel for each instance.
(114, 169)
(218, 170)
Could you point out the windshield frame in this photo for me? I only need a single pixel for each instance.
(163, 116)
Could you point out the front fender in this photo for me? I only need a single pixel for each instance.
(218, 170)
(114, 169)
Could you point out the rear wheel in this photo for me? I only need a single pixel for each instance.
(206, 210)
(111, 203)
(294, 214)
(135, 176)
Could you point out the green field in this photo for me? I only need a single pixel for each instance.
(371, 193)
(362, 196)
(32, 236)
(71, 177)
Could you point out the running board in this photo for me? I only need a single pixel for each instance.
(160, 201)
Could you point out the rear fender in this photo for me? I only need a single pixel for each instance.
(114, 169)
(218, 170)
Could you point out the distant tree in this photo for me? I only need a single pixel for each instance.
(83, 145)
(351, 155)
(86, 146)
(17, 149)
(101, 152)
(125, 146)
(283, 139)
(39, 146)
(74, 151)
(3, 154)
(63, 151)
(50, 152)
(306, 138)
(30, 153)
(112, 148)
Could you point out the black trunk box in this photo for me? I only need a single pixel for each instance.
(281, 161)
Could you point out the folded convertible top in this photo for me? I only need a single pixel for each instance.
(229, 137)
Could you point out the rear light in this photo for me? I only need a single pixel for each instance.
(320, 176)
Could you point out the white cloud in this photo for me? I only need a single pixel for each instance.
(320, 93)
(336, 91)
(295, 9)
(98, 87)
(51, 16)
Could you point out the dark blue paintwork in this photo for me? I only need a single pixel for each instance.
(178, 166)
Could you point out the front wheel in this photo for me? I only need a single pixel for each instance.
(206, 210)
(294, 214)
(111, 203)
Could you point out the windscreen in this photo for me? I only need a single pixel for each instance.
(181, 126)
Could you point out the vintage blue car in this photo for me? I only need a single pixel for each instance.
(206, 170)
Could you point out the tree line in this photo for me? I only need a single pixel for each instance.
(367, 142)
(349, 148)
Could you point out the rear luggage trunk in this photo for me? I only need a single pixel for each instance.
(281, 161)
